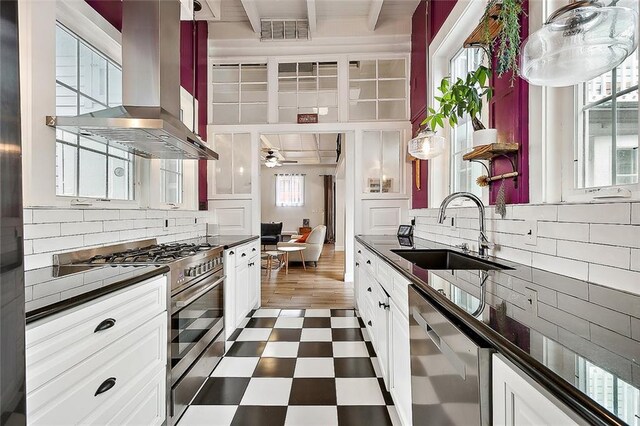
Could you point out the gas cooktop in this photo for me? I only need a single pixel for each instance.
(153, 254)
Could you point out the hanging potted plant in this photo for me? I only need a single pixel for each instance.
(503, 40)
(464, 97)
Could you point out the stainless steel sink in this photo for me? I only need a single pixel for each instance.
(446, 259)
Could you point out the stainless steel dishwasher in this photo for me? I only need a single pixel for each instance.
(450, 373)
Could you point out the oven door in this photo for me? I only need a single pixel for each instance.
(196, 320)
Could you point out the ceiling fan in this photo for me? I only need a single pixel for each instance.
(272, 160)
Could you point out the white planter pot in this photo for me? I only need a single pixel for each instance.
(485, 137)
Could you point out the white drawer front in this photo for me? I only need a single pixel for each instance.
(384, 275)
(142, 404)
(70, 398)
(57, 343)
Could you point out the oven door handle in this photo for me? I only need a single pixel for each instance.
(183, 303)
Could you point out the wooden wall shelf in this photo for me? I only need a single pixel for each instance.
(477, 37)
(488, 152)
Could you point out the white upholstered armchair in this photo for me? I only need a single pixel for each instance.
(313, 246)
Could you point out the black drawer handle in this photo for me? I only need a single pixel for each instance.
(369, 289)
(231, 252)
(368, 262)
(253, 249)
(383, 305)
(359, 252)
(357, 263)
(243, 254)
(369, 322)
(105, 324)
(106, 385)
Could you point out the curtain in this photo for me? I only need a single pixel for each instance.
(330, 208)
(290, 190)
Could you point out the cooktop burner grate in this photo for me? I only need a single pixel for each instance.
(159, 253)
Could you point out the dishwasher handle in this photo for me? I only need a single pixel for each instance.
(442, 346)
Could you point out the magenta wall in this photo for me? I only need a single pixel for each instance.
(111, 10)
(509, 108)
(418, 95)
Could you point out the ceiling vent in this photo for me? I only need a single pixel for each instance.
(284, 29)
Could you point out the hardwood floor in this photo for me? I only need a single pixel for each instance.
(320, 287)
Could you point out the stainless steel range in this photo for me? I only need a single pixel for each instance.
(196, 335)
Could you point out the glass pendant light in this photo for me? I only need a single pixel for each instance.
(426, 145)
(579, 41)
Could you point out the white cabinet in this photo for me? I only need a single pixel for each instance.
(103, 362)
(518, 401)
(399, 366)
(242, 283)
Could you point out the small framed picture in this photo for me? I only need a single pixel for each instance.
(306, 223)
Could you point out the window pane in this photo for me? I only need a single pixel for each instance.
(119, 179)
(66, 58)
(393, 68)
(362, 90)
(392, 110)
(307, 69)
(91, 144)
(66, 169)
(287, 69)
(115, 86)
(597, 147)
(390, 161)
(362, 69)
(254, 93)
(328, 68)
(287, 115)
(253, 113)
(359, 111)
(93, 74)
(171, 181)
(225, 73)
(392, 89)
(88, 105)
(223, 165)
(289, 190)
(254, 73)
(242, 163)
(66, 101)
(371, 167)
(228, 93)
(225, 114)
(627, 139)
(93, 174)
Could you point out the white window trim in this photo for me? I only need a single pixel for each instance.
(443, 47)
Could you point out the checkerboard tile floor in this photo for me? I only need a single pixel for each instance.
(296, 368)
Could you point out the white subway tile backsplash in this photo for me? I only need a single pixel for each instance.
(77, 228)
(608, 318)
(564, 231)
(56, 216)
(27, 216)
(41, 230)
(57, 244)
(620, 279)
(618, 257)
(571, 268)
(635, 328)
(635, 213)
(117, 225)
(133, 214)
(635, 259)
(535, 212)
(90, 215)
(618, 235)
(595, 213)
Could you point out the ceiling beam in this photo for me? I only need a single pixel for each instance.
(374, 14)
(214, 6)
(311, 16)
(251, 10)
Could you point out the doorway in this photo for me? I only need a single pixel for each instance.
(302, 187)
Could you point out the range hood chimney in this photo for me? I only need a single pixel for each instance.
(148, 123)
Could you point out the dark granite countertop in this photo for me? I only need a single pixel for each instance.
(228, 241)
(57, 288)
(579, 340)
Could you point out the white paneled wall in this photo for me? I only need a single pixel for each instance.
(50, 231)
(599, 243)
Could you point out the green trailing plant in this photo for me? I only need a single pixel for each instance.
(459, 98)
(506, 45)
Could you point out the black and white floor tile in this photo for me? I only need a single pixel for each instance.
(296, 367)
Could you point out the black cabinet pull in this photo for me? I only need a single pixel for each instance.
(106, 385)
(369, 289)
(105, 324)
(231, 252)
(359, 252)
(253, 249)
(369, 322)
(357, 264)
(243, 254)
(368, 262)
(383, 305)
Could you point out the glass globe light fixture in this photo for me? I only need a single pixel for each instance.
(426, 145)
(579, 42)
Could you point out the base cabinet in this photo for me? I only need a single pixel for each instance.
(241, 285)
(400, 368)
(518, 402)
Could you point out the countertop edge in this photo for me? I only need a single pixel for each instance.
(240, 242)
(46, 311)
(557, 386)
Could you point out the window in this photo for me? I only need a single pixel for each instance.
(308, 88)
(377, 90)
(239, 93)
(381, 162)
(88, 81)
(464, 173)
(289, 190)
(606, 149)
(171, 176)
(233, 171)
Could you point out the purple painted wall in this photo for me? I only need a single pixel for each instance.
(111, 10)
(419, 96)
(509, 108)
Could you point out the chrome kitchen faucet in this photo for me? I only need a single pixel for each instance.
(483, 243)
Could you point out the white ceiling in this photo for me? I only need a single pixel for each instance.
(241, 10)
(305, 148)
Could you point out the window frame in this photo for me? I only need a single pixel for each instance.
(131, 161)
(239, 84)
(300, 196)
(164, 170)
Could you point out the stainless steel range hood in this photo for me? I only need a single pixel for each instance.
(147, 123)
